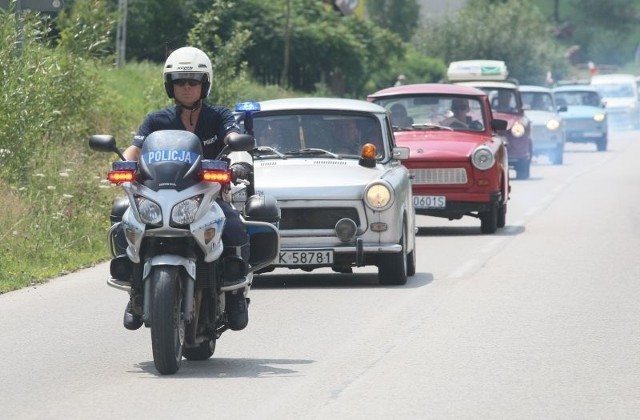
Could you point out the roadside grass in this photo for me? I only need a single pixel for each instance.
(54, 219)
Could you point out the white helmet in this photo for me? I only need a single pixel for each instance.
(188, 63)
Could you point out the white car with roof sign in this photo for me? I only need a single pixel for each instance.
(345, 197)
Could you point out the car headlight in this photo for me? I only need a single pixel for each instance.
(150, 212)
(599, 117)
(553, 124)
(185, 211)
(518, 129)
(483, 158)
(378, 196)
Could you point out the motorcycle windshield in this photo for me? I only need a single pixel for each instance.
(170, 159)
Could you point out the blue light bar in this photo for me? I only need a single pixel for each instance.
(247, 107)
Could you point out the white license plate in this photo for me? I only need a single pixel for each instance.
(305, 257)
(429, 201)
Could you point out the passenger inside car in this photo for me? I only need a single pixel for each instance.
(399, 117)
(276, 134)
(346, 136)
(459, 119)
(504, 101)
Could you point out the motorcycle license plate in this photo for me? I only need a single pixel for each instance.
(315, 257)
(429, 201)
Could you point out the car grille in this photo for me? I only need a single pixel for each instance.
(315, 218)
(580, 124)
(541, 132)
(438, 176)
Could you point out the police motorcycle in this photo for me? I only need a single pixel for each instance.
(174, 251)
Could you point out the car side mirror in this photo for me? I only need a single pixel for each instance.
(498, 124)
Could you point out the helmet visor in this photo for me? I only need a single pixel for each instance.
(188, 75)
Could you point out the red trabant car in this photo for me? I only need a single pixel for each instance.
(458, 162)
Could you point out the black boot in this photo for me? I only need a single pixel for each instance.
(237, 310)
(131, 319)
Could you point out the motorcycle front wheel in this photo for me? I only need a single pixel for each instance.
(167, 321)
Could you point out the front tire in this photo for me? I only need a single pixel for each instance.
(392, 268)
(489, 220)
(502, 215)
(601, 144)
(523, 169)
(557, 156)
(167, 322)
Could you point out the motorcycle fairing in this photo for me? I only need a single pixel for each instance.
(170, 159)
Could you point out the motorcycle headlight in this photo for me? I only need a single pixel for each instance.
(599, 117)
(378, 196)
(185, 211)
(518, 130)
(553, 124)
(483, 158)
(150, 212)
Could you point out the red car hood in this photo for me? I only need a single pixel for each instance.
(441, 145)
(509, 118)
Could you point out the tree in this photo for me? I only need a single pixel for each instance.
(514, 31)
(324, 47)
(398, 16)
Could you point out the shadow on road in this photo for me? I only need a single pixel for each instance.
(300, 279)
(227, 368)
(468, 231)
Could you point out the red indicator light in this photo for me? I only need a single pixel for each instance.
(222, 177)
(118, 177)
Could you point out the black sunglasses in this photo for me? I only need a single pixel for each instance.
(190, 82)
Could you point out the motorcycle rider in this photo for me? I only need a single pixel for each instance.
(188, 77)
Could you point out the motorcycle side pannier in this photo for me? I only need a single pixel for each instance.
(262, 208)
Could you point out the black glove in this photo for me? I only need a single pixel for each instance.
(241, 170)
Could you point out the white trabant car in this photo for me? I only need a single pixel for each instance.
(344, 196)
(621, 97)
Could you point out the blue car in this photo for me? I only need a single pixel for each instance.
(585, 118)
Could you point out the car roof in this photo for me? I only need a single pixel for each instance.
(534, 88)
(575, 88)
(428, 88)
(495, 85)
(612, 78)
(330, 104)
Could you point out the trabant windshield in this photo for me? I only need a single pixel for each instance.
(615, 90)
(428, 112)
(573, 98)
(538, 101)
(330, 134)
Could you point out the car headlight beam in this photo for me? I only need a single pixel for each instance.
(378, 196)
(553, 124)
(483, 158)
(518, 129)
(599, 117)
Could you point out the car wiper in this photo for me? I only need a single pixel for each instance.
(312, 152)
(401, 128)
(262, 150)
(429, 126)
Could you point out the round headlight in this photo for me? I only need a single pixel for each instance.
(378, 196)
(150, 212)
(553, 124)
(483, 158)
(518, 129)
(599, 117)
(185, 211)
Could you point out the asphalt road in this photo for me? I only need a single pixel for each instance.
(541, 320)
